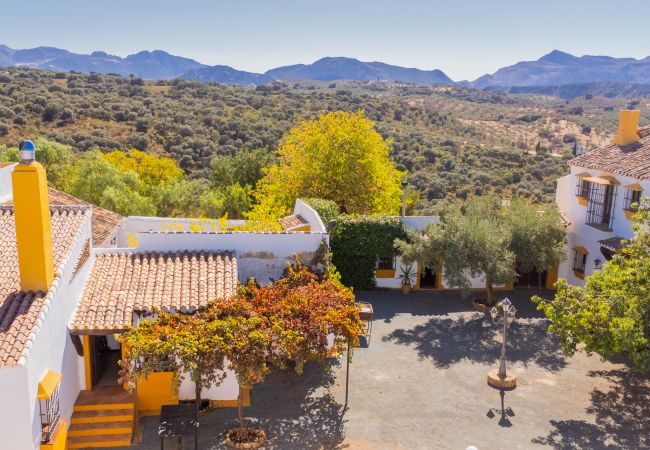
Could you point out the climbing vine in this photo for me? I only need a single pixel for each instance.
(357, 242)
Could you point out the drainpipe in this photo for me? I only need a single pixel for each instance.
(404, 183)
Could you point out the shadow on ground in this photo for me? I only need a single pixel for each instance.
(295, 411)
(447, 340)
(621, 416)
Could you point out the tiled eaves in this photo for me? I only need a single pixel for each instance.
(67, 262)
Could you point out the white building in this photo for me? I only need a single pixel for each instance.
(73, 275)
(597, 197)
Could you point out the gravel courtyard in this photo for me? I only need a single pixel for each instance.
(421, 384)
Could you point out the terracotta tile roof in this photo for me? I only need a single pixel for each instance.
(631, 160)
(293, 221)
(103, 220)
(20, 310)
(123, 282)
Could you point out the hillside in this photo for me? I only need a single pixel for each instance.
(453, 141)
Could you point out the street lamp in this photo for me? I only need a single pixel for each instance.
(500, 378)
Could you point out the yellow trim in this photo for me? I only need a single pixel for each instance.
(33, 228)
(583, 175)
(59, 438)
(578, 274)
(582, 201)
(634, 187)
(103, 407)
(384, 273)
(629, 214)
(246, 393)
(551, 277)
(605, 179)
(87, 370)
(48, 384)
(100, 419)
(580, 249)
(99, 431)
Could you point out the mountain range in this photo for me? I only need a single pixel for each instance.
(587, 74)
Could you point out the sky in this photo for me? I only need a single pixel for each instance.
(463, 38)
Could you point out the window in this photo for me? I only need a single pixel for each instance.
(632, 196)
(582, 188)
(386, 263)
(48, 399)
(599, 209)
(579, 260)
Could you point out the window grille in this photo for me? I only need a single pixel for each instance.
(579, 261)
(599, 209)
(631, 197)
(49, 416)
(582, 188)
(386, 263)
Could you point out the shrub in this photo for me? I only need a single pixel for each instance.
(328, 210)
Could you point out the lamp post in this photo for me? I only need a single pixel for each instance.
(500, 378)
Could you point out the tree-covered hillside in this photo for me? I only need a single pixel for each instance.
(455, 142)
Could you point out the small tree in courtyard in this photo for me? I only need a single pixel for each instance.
(187, 343)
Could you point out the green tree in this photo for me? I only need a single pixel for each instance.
(336, 156)
(611, 314)
(245, 168)
(538, 237)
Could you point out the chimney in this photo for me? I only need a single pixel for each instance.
(32, 216)
(628, 124)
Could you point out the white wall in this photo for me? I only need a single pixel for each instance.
(6, 192)
(262, 255)
(51, 347)
(580, 234)
(138, 224)
(419, 223)
(227, 390)
(15, 414)
(310, 215)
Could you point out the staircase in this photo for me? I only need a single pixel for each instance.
(103, 417)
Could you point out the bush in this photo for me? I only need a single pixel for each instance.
(358, 241)
(328, 210)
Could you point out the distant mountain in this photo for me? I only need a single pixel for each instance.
(339, 68)
(570, 91)
(227, 75)
(149, 65)
(560, 68)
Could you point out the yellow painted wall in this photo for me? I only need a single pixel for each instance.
(33, 228)
(156, 390)
(59, 439)
(551, 277)
(246, 394)
(384, 273)
(87, 370)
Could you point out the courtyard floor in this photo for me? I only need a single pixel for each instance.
(421, 384)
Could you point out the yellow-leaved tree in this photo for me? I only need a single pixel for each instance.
(151, 169)
(336, 156)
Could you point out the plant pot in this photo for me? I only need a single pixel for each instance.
(406, 288)
(252, 438)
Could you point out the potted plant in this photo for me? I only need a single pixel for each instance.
(407, 278)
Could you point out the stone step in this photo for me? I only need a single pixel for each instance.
(100, 428)
(104, 415)
(102, 440)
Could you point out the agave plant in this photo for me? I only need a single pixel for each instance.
(407, 276)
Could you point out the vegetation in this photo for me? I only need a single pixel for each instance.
(290, 319)
(358, 241)
(327, 210)
(454, 142)
(336, 156)
(483, 239)
(611, 314)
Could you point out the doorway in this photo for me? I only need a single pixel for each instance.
(530, 280)
(428, 278)
(105, 354)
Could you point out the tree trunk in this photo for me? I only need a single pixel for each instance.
(488, 286)
(197, 393)
(240, 410)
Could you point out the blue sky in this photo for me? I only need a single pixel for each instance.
(464, 38)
